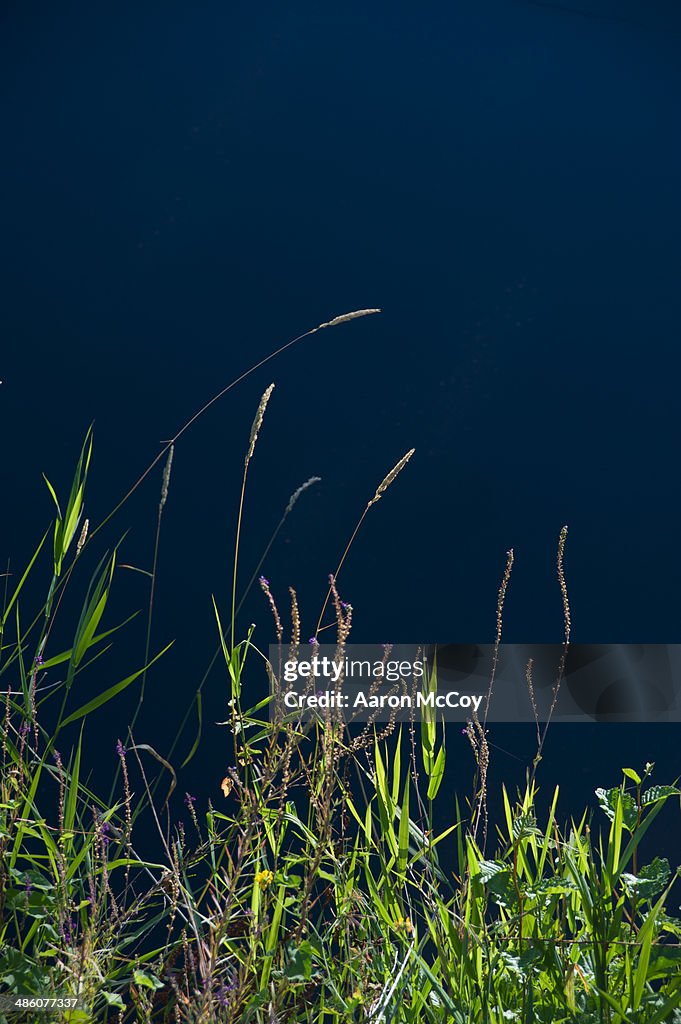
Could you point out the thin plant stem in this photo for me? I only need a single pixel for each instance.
(236, 555)
(154, 567)
(218, 650)
(380, 490)
(335, 575)
(256, 366)
(255, 429)
(567, 623)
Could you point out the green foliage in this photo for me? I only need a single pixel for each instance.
(321, 891)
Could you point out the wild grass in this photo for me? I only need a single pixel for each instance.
(320, 889)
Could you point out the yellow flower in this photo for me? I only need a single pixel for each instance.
(264, 878)
(404, 924)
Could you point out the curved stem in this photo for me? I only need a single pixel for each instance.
(193, 420)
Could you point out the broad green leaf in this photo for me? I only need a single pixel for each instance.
(59, 659)
(66, 526)
(92, 614)
(437, 773)
(656, 793)
(650, 880)
(146, 980)
(608, 798)
(113, 999)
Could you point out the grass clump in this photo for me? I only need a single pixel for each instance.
(320, 889)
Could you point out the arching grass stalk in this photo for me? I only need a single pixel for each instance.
(256, 366)
(336, 321)
(394, 472)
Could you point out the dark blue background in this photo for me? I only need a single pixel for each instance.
(186, 186)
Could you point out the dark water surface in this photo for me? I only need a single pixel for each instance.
(187, 186)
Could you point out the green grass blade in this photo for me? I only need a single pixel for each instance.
(93, 612)
(107, 695)
(437, 774)
(195, 745)
(23, 579)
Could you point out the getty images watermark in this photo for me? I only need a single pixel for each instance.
(457, 682)
(365, 683)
